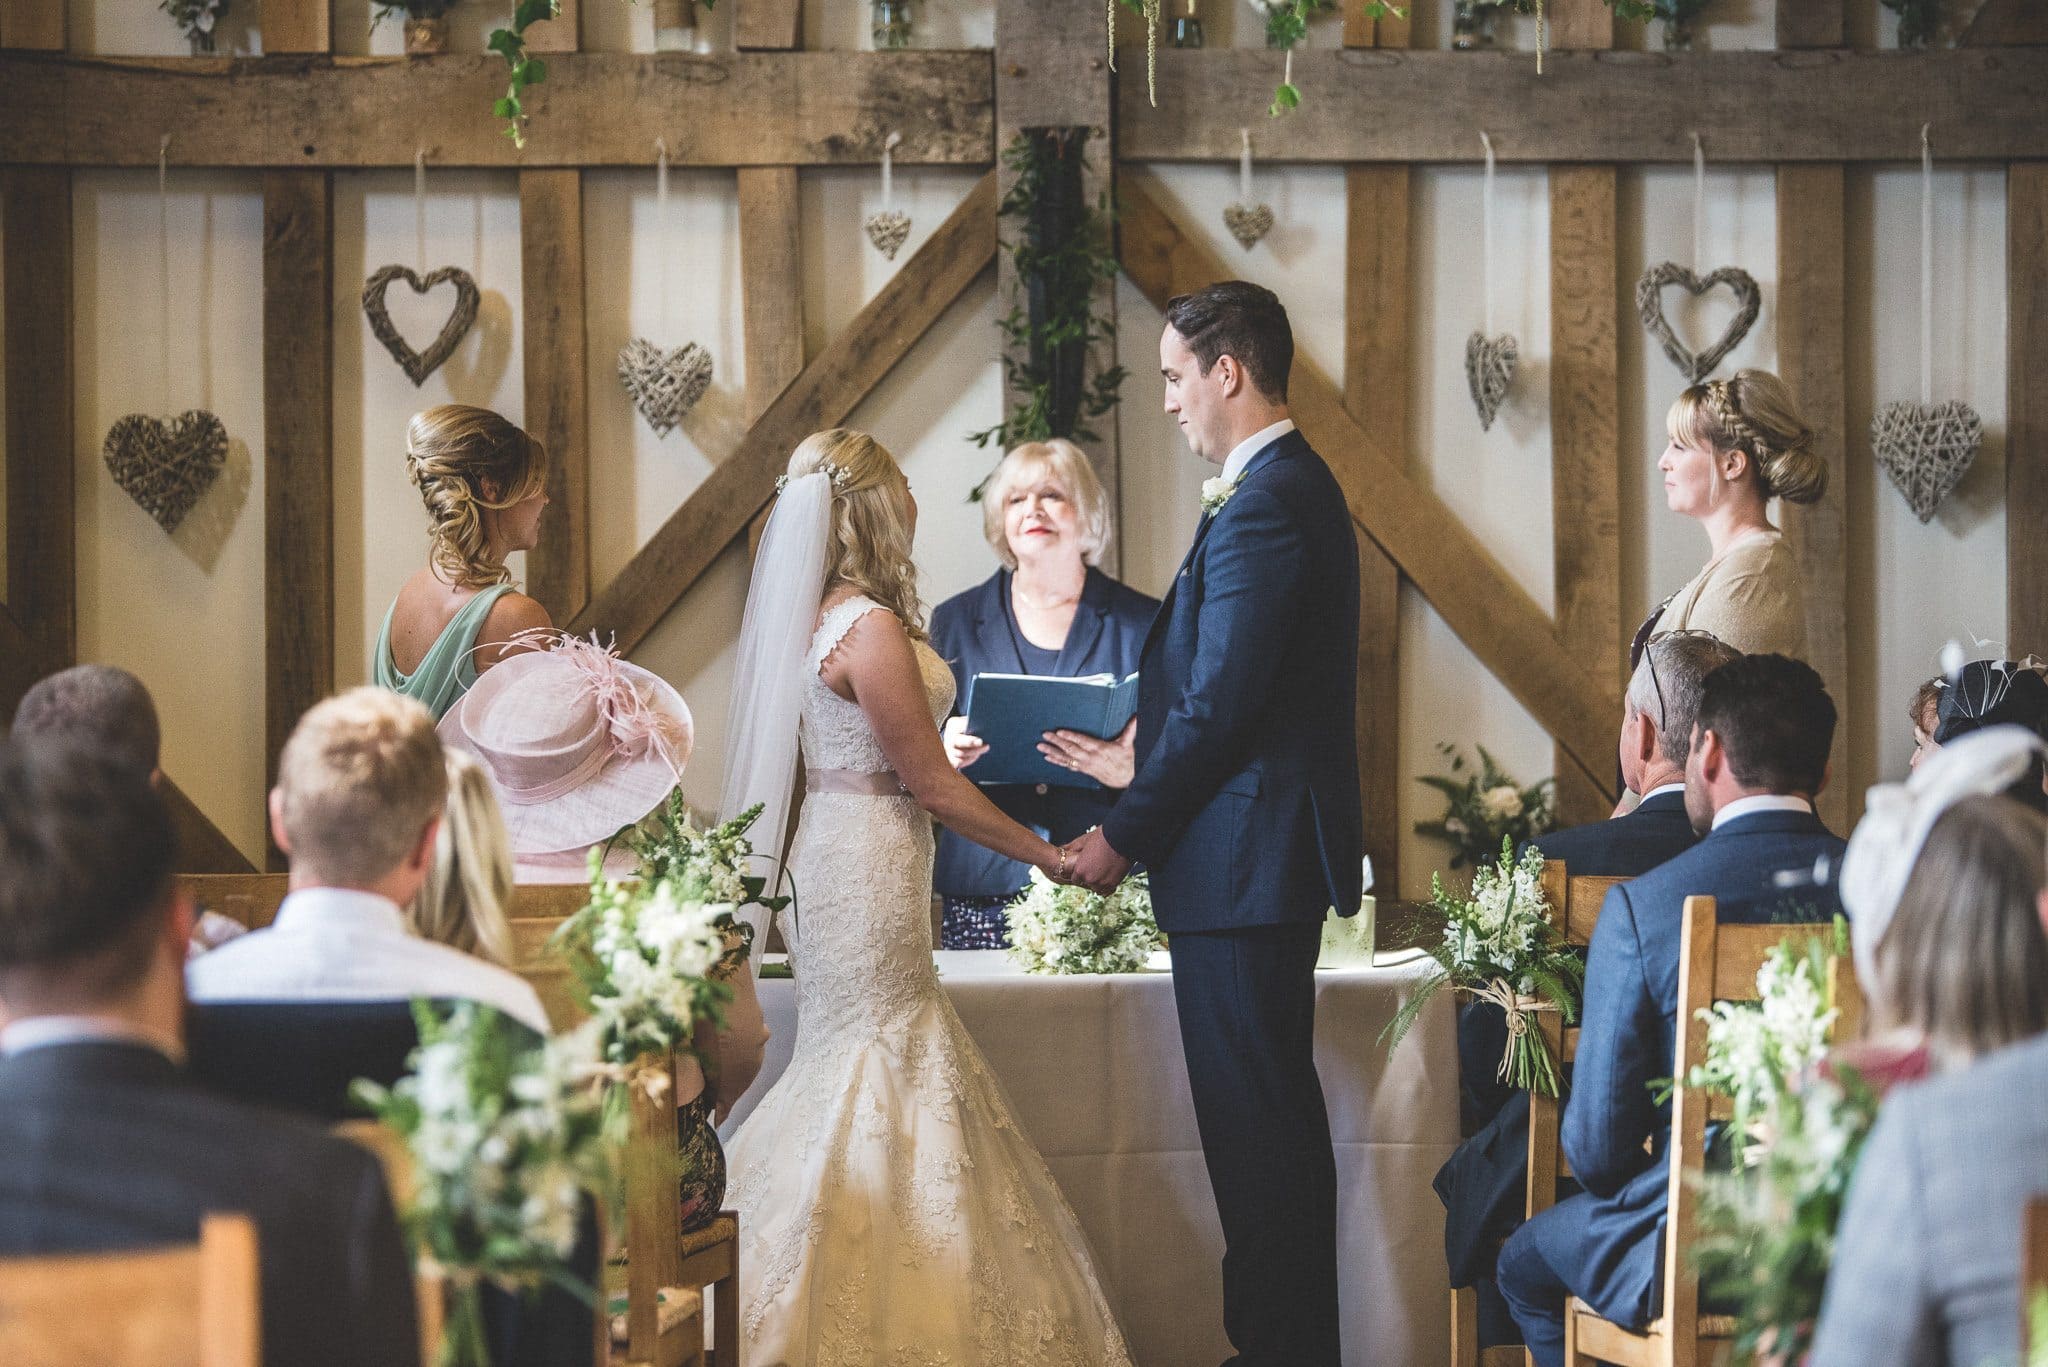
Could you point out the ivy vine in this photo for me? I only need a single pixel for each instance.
(527, 69)
(1287, 24)
(1061, 253)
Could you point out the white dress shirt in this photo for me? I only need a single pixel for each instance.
(1762, 802)
(343, 945)
(45, 1032)
(1241, 454)
(1664, 788)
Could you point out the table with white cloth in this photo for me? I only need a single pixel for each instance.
(1094, 1070)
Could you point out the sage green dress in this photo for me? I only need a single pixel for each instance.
(449, 667)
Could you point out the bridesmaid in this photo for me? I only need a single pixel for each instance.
(484, 482)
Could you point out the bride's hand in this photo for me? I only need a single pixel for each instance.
(1058, 863)
(961, 748)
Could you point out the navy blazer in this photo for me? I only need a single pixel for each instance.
(1625, 846)
(1629, 1037)
(971, 631)
(1245, 806)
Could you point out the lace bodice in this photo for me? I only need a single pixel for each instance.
(835, 732)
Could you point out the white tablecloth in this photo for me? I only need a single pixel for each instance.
(1094, 1069)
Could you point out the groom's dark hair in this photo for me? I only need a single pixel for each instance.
(1241, 320)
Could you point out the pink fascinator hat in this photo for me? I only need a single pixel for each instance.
(578, 742)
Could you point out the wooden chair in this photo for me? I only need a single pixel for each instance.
(430, 1289)
(664, 1314)
(195, 1305)
(1575, 904)
(1716, 963)
(253, 898)
(2033, 1275)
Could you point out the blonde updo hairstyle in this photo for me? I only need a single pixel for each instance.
(871, 521)
(1067, 466)
(1753, 413)
(457, 455)
(468, 892)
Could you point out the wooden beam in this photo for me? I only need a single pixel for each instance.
(1378, 202)
(771, 283)
(41, 536)
(298, 26)
(1809, 24)
(557, 382)
(1812, 346)
(298, 450)
(32, 25)
(1592, 106)
(2003, 22)
(1585, 444)
(563, 33)
(596, 109)
(201, 846)
(767, 24)
(1491, 613)
(2026, 407)
(879, 336)
(1581, 25)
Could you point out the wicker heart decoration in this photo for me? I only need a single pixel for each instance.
(165, 464)
(664, 386)
(888, 229)
(1247, 223)
(1489, 370)
(419, 365)
(1926, 449)
(1650, 306)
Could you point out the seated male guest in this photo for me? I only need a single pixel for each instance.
(360, 790)
(1048, 610)
(1759, 756)
(108, 1145)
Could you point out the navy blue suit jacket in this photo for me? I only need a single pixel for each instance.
(971, 631)
(1625, 846)
(1629, 1036)
(1245, 806)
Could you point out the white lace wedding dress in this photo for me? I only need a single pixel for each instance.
(891, 1213)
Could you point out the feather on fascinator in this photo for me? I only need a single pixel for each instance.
(1898, 817)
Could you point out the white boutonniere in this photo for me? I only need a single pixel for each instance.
(1216, 492)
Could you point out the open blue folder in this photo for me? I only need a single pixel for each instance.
(1012, 712)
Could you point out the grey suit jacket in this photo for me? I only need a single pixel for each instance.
(108, 1146)
(1927, 1264)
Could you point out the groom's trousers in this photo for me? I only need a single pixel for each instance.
(1246, 1001)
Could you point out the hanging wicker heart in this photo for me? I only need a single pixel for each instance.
(664, 386)
(1650, 306)
(1489, 370)
(419, 365)
(165, 464)
(1926, 449)
(1248, 223)
(888, 229)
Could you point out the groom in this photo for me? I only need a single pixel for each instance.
(1245, 808)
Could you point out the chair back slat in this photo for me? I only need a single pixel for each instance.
(2033, 1272)
(534, 960)
(194, 1305)
(1583, 897)
(1575, 907)
(250, 898)
(654, 1218)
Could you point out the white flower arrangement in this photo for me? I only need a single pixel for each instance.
(1501, 945)
(643, 956)
(1216, 492)
(1061, 929)
(1756, 1049)
(672, 846)
(507, 1138)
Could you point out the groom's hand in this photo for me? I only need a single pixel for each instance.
(1095, 865)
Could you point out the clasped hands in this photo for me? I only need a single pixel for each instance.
(1091, 863)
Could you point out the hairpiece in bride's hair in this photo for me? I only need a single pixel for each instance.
(838, 474)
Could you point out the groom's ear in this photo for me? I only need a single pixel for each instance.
(1229, 374)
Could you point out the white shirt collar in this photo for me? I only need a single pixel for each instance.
(1663, 788)
(1241, 455)
(44, 1032)
(306, 908)
(1762, 802)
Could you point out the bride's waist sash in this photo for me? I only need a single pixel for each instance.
(854, 783)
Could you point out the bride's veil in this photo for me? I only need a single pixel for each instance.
(768, 677)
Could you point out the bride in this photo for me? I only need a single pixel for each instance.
(891, 1212)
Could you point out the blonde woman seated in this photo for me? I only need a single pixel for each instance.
(484, 482)
(1734, 446)
(579, 745)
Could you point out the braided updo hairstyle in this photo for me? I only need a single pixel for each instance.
(1754, 413)
(456, 454)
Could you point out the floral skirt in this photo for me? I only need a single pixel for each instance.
(975, 923)
(703, 1164)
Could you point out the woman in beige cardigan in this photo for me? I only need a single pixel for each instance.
(1736, 445)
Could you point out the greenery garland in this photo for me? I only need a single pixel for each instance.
(1287, 24)
(1061, 255)
(527, 70)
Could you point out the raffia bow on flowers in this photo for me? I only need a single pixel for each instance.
(507, 1137)
(1501, 945)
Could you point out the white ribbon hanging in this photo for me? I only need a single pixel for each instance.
(1699, 204)
(419, 210)
(889, 145)
(163, 270)
(1244, 166)
(1486, 237)
(1926, 264)
(661, 248)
